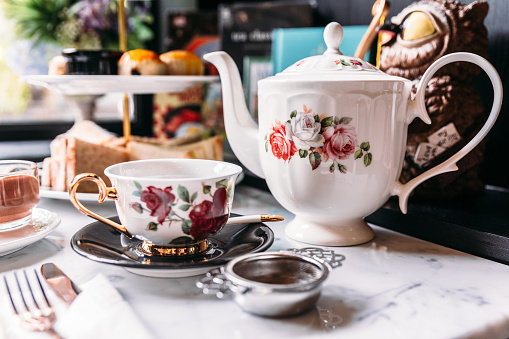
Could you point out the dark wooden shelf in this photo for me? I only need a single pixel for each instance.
(478, 226)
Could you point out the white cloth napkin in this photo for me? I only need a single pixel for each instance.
(99, 311)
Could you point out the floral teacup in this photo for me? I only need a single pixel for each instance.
(174, 205)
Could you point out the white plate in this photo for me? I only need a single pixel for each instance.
(63, 195)
(100, 84)
(170, 273)
(43, 223)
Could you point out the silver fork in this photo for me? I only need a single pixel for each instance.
(33, 318)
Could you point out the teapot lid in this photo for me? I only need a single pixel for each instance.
(332, 62)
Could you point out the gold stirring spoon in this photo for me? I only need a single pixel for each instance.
(245, 219)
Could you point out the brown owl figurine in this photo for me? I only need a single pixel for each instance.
(415, 38)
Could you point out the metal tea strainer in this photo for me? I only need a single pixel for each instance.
(273, 284)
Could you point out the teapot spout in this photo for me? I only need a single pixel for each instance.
(241, 129)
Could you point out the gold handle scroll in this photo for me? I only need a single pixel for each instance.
(104, 192)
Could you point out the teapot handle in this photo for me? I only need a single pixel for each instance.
(449, 165)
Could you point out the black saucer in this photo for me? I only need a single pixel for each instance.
(102, 243)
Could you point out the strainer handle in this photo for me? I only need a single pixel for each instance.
(328, 257)
(216, 282)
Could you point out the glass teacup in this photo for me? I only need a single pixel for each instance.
(19, 193)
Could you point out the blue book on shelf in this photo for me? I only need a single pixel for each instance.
(290, 45)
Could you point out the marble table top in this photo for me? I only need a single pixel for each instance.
(394, 286)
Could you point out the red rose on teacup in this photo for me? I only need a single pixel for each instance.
(158, 201)
(340, 141)
(281, 142)
(209, 216)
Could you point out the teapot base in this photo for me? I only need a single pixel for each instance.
(350, 233)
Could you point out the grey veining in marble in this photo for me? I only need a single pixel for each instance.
(392, 287)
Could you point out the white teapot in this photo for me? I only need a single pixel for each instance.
(331, 137)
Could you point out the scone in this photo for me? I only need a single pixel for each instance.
(180, 62)
(57, 65)
(141, 62)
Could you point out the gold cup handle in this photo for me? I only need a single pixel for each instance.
(104, 192)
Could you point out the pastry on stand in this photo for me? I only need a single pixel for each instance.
(141, 62)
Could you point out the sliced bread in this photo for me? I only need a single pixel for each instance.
(86, 157)
(211, 149)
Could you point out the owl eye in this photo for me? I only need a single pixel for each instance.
(416, 26)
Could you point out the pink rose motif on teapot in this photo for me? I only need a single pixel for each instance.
(320, 138)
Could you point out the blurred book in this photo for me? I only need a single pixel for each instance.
(245, 28)
(199, 108)
(290, 45)
(255, 68)
(185, 26)
(193, 31)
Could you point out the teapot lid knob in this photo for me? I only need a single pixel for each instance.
(333, 36)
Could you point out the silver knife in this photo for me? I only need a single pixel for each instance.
(63, 287)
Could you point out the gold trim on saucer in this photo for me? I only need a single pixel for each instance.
(151, 249)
